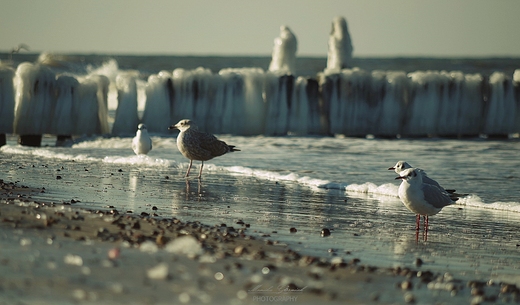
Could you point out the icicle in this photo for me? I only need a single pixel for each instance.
(159, 98)
(299, 116)
(63, 121)
(422, 113)
(126, 119)
(85, 111)
(395, 94)
(501, 108)
(34, 99)
(192, 92)
(278, 95)
(103, 84)
(249, 106)
(233, 101)
(470, 111)
(6, 100)
(450, 93)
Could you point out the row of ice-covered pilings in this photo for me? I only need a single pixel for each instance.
(35, 101)
(251, 101)
(245, 101)
(351, 102)
(423, 103)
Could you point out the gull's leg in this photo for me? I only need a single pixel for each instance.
(426, 223)
(189, 167)
(417, 222)
(200, 172)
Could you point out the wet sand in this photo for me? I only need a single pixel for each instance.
(56, 253)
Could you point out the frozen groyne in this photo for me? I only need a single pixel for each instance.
(35, 101)
(250, 101)
(352, 102)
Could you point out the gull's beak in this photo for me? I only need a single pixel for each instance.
(396, 178)
(172, 127)
(391, 168)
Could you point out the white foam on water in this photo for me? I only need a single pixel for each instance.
(474, 201)
(140, 160)
(274, 176)
(45, 153)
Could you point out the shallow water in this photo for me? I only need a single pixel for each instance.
(278, 183)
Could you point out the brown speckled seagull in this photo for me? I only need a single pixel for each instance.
(196, 145)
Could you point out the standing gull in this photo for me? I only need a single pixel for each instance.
(402, 165)
(196, 145)
(421, 198)
(141, 143)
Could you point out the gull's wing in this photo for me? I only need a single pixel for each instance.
(435, 196)
(210, 143)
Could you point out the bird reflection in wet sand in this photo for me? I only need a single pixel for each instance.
(188, 189)
(196, 145)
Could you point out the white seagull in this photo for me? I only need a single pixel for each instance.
(402, 165)
(141, 143)
(421, 198)
(196, 145)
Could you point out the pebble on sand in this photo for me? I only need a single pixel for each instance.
(187, 245)
(159, 272)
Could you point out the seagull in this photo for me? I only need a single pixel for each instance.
(196, 145)
(421, 198)
(402, 165)
(141, 143)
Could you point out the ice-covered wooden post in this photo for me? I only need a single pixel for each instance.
(340, 46)
(6, 103)
(284, 52)
(127, 119)
(34, 105)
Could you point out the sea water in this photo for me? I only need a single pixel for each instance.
(307, 183)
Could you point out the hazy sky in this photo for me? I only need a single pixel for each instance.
(242, 27)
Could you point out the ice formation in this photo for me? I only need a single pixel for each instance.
(284, 52)
(340, 45)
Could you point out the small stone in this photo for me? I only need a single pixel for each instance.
(161, 240)
(25, 242)
(219, 276)
(477, 291)
(58, 177)
(293, 230)
(149, 247)
(240, 250)
(418, 262)
(406, 285)
(79, 294)
(71, 259)
(325, 232)
(187, 245)
(159, 272)
(409, 297)
(114, 253)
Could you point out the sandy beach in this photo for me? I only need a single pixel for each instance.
(55, 253)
